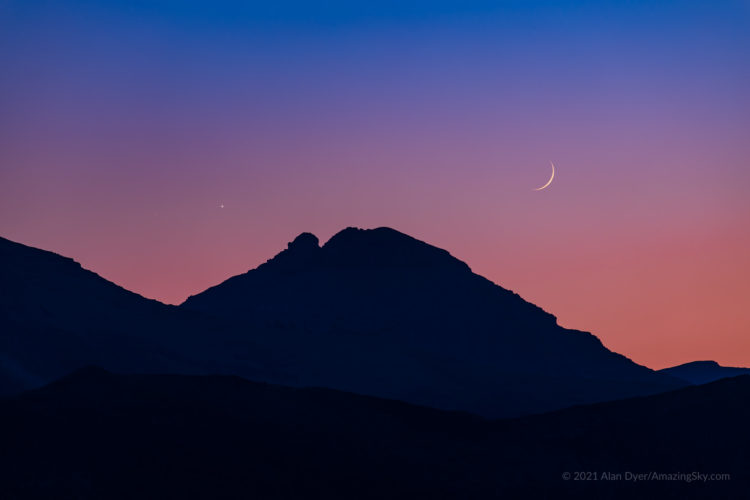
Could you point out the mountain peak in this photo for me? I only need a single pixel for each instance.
(299, 254)
(373, 311)
(701, 372)
(304, 242)
(384, 246)
(705, 364)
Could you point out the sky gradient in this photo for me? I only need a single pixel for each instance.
(168, 145)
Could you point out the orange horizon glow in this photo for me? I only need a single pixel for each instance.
(172, 145)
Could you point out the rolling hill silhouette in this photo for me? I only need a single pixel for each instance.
(372, 311)
(97, 435)
(378, 312)
(701, 372)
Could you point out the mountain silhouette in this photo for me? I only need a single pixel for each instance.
(378, 312)
(701, 372)
(56, 317)
(95, 434)
(374, 312)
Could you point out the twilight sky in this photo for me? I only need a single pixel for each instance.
(126, 125)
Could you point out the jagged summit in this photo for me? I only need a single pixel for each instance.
(363, 248)
(374, 312)
(384, 246)
(302, 252)
(304, 242)
(379, 312)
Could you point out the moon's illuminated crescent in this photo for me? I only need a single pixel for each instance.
(550, 179)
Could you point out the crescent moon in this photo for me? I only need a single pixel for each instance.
(550, 179)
